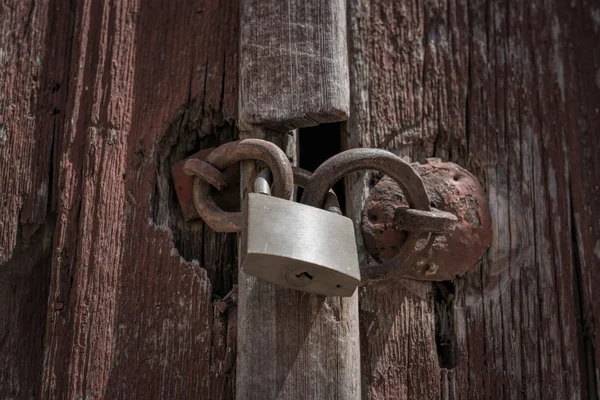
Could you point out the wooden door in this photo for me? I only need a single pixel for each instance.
(510, 91)
(105, 292)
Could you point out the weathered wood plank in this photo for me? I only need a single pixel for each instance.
(23, 297)
(293, 73)
(24, 150)
(388, 110)
(29, 111)
(118, 100)
(294, 65)
(510, 91)
(291, 344)
(582, 105)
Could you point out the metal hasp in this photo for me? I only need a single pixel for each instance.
(224, 157)
(450, 188)
(290, 244)
(421, 221)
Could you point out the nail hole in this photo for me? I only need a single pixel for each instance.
(456, 177)
(338, 286)
(373, 218)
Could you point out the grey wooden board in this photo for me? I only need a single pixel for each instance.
(293, 63)
(295, 345)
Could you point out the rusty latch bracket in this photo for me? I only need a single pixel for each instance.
(451, 189)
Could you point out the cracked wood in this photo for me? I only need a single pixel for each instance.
(509, 90)
(97, 102)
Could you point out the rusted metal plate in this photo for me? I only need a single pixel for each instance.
(450, 188)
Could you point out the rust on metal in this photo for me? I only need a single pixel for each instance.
(450, 189)
(331, 203)
(301, 176)
(415, 248)
(227, 184)
(228, 154)
(227, 199)
(202, 169)
(426, 222)
(434, 221)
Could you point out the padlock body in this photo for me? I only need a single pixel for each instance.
(299, 247)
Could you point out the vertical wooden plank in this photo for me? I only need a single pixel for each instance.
(137, 319)
(23, 296)
(389, 110)
(294, 66)
(295, 345)
(582, 75)
(293, 73)
(24, 152)
(30, 107)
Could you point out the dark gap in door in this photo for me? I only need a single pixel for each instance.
(444, 294)
(315, 145)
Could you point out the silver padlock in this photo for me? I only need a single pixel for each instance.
(298, 246)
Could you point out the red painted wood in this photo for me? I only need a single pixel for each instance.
(510, 90)
(117, 91)
(98, 293)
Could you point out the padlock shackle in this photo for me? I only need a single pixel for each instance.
(263, 181)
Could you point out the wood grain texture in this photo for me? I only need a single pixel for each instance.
(509, 90)
(101, 303)
(27, 123)
(23, 296)
(25, 140)
(294, 64)
(291, 344)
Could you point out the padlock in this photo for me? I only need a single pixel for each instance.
(298, 246)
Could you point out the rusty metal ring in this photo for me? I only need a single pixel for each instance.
(202, 169)
(229, 153)
(415, 249)
(301, 178)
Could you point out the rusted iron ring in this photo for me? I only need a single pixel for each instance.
(205, 171)
(415, 249)
(229, 153)
(301, 178)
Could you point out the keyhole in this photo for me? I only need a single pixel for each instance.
(304, 275)
(298, 277)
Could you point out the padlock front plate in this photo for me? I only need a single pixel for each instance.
(299, 247)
